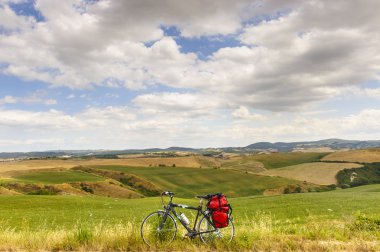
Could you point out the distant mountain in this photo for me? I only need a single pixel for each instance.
(335, 144)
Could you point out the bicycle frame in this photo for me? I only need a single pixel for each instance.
(191, 232)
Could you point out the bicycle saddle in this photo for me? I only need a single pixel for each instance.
(208, 196)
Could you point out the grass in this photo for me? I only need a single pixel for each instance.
(56, 177)
(187, 182)
(317, 172)
(273, 160)
(360, 156)
(188, 161)
(330, 221)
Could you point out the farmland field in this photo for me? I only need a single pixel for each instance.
(361, 156)
(271, 161)
(56, 177)
(188, 161)
(317, 172)
(188, 181)
(336, 220)
(75, 216)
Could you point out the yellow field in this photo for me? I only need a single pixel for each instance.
(364, 156)
(189, 161)
(317, 173)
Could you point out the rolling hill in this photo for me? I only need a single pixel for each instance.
(318, 172)
(361, 156)
(330, 144)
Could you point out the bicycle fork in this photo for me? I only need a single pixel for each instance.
(161, 226)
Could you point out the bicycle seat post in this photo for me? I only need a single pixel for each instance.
(200, 203)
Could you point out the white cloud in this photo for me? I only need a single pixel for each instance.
(8, 100)
(118, 128)
(302, 53)
(45, 142)
(244, 114)
(362, 125)
(179, 104)
(90, 118)
(38, 97)
(51, 119)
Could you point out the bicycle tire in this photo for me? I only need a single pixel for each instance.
(220, 235)
(150, 233)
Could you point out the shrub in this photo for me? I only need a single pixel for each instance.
(42, 191)
(363, 222)
(331, 187)
(345, 186)
(298, 189)
(86, 188)
(368, 174)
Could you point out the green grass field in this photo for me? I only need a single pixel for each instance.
(56, 177)
(187, 182)
(344, 219)
(339, 220)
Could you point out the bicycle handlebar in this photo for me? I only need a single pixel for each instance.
(168, 193)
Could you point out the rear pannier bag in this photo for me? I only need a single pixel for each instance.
(219, 207)
(220, 219)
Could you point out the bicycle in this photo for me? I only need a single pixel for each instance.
(160, 227)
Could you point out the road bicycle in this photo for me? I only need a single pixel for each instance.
(160, 227)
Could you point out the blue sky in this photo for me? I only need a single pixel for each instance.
(116, 74)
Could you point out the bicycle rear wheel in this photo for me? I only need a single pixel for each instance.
(154, 233)
(223, 235)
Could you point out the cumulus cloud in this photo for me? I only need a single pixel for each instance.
(38, 97)
(51, 119)
(309, 46)
(109, 127)
(92, 117)
(8, 100)
(292, 55)
(244, 114)
(180, 104)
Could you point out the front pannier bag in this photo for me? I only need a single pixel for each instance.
(219, 207)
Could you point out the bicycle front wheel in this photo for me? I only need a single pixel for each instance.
(222, 235)
(155, 232)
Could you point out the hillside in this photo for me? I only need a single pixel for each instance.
(187, 161)
(334, 144)
(260, 162)
(320, 146)
(317, 172)
(361, 156)
(187, 182)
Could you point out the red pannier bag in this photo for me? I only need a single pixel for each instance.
(220, 219)
(219, 207)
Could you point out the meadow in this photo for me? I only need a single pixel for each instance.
(99, 204)
(346, 220)
(318, 172)
(360, 156)
(187, 182)
(262, 162)
(56, 177)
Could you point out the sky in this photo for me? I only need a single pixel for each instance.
(126, 74)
